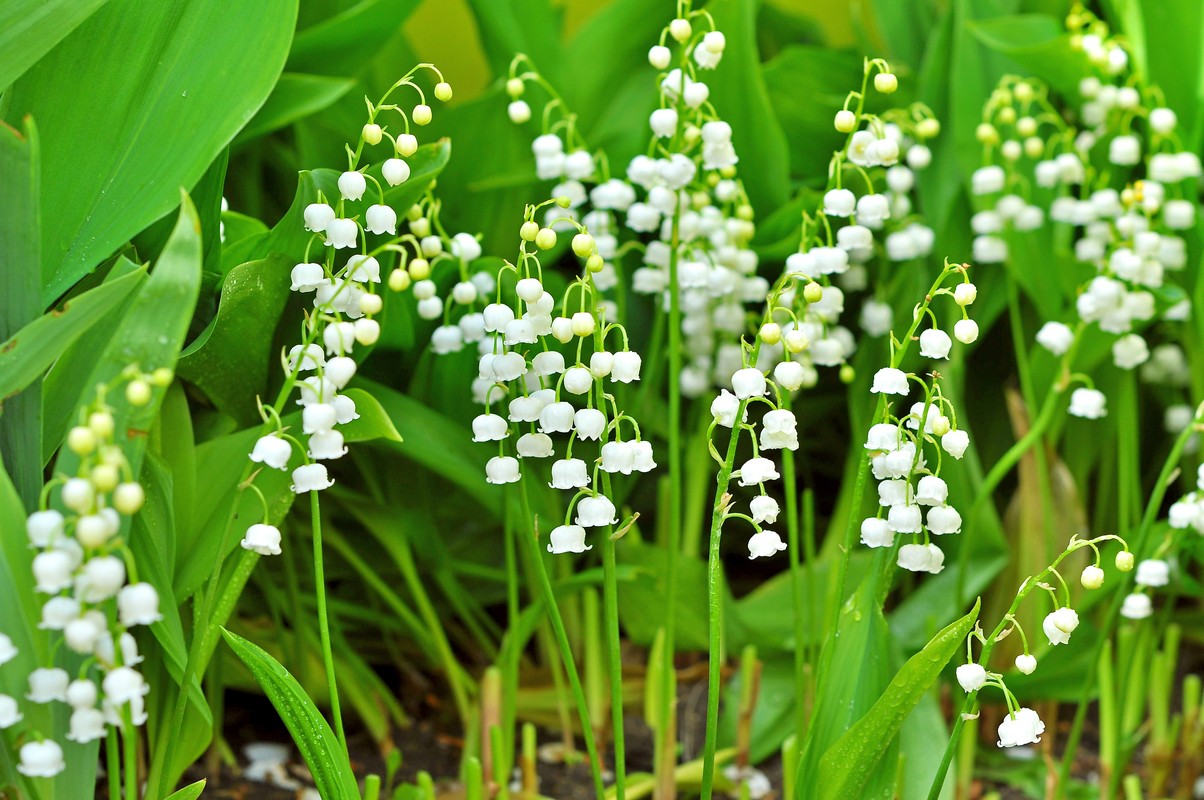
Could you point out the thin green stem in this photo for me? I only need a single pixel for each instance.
(113, 763)
(562, 642)
(615, 663)
(129, 745)
(324, 620)
(799, 584)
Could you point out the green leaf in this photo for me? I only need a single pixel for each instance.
(156, 90)
(20, 302)
(846, 767)
(310, 731)
(232, 358)
(19, 608)
(1037, 42)
(520, 26)
(190, 792)
(30, 28)
(341, 44)
(295, 97)
(373, 422)
(34, 348)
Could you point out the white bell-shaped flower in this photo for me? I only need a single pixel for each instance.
(102, 578)
(1059, 624)
(47, 685)
(8, 651)
(642, 456)
(138, 604)
(123, 684)
(618, 457)
(931, 491)
(569, 473)
(318, 418)
(548, 363)
(344, 409)
(44, 527)
(352, 185)
(955, 443)
(779, 430)
(534, 445)
(42, 759)
(921, 558)
(972, 677)
(757, 470)
(502, 469)
(78, 494)
(876, 532)
(87, 725)
(1020, 727)
(578, 380)
(489, 428)
(1088, 403)
(263, 539)
(595, 511)
(904, 518)
(395, 171)
(1136, 606)
(943, 520)
(748, 382)
(567, 539)
(341, 233)
(764, 509)
(725, 407)
(935, 343)
(589, 423)
(557, 418)
(307, 277)
(10, 712)
(318, 216)
(326, 446)
(380, 219)
(81, 693)
(81, 635)
(57, 612)
(889, 380)
(310, 478)
(1153, 572)
(272, 451)
(764, 543)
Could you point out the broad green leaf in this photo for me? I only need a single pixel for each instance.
(739, 96)
(156, 90)
(521, 26)
(190, 792)
(373, 422)
(30, 28)
(342, 43)
(311, 733)
(231, 360)
(1038, 43)
(20, 295)
(35, 348)
(846, 768)
(807, 85)
(903, 26)
(1169, 36)
(295, 97)
(151, 333)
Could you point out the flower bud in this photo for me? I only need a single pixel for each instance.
(528, 231)
(583, 323)
(545, 239)
(659, 57)
(101, 423)
(965, 294)
(928, 128)
(1093, 577)
(128, 498)
(846, 121)
(1026, 663)
(443, 91)
(518, 111)
(813, 292)
(771, 333)
(407, 144)
(138, 392)
(421, 114)
(371, 133)
(420, 269)
(886, 83)
(1124, 561)
(399, 280)
(583, 245)
(81, 440)
(105, 477)
(680, 29)
(515, 87)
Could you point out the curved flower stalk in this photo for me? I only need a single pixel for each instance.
(1022, 725)
(94, 598)
(344, 281)
(865, 218)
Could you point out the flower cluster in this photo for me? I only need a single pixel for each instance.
(1023, 726)
(850, 231)
(345, 302)
(93, 596)
(546, 394)
(1186, 513)
(913, 499)
(1129, 216)
(681, 203)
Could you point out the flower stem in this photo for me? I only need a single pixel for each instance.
(562, 642)
(324, 620)
(615, 663)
